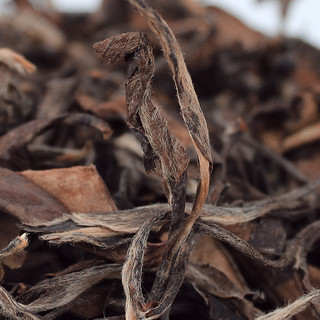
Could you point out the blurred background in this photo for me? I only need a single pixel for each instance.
(301, 20)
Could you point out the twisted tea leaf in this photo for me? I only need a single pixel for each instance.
(189, 104)
(196, 124)
(163, 154)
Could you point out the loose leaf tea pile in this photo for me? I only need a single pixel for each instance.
(158, 160)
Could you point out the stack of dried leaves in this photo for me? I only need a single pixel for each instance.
(122, 198)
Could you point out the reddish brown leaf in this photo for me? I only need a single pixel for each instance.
(79, 189)
(26, 201)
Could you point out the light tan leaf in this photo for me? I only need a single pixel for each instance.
(80, 189)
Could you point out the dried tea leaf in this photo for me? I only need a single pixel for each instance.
(206, 280)
(209, 252)
(142, 67)
(295, 252)
(80, 189)
(214, 281)
(163, 154)
(104, 228)
(91, 303)
(305, 195)
(244, 247)
(189, 104)
(269, 237)
(15, 105)
(25, 200)
(49, 156)
(288, 290)
(95, 236)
